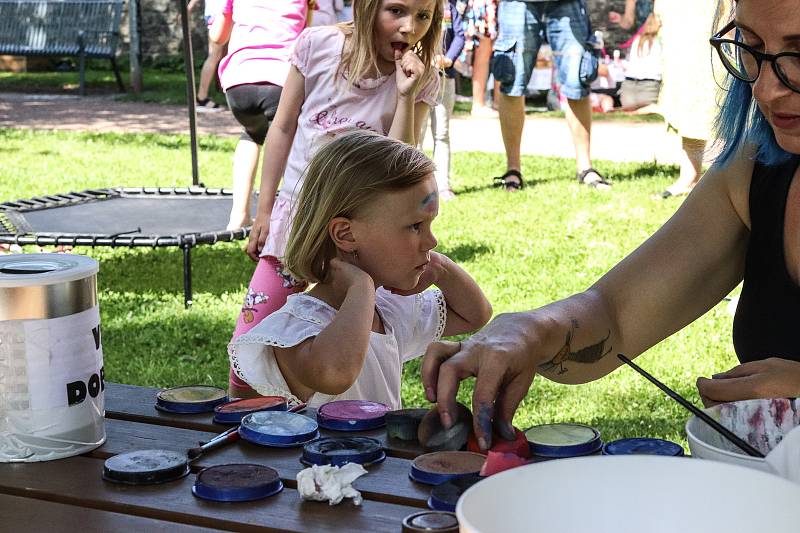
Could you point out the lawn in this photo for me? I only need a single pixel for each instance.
(550, 240)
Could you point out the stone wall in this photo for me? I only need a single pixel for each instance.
(161, 30)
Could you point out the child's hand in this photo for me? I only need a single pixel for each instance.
(408, 72)
(344, 275)
(443, 61)
(432, 273)
(258, 236)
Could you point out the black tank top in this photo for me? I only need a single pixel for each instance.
(767, 320)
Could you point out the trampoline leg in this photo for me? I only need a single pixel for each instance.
(187, 276)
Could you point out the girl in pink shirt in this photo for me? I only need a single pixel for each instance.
(375, 73)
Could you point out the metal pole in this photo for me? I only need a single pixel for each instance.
(190, 91)
(187, 275)
(134, 54)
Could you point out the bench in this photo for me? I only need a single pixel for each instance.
(79, 28)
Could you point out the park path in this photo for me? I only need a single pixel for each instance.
(611, 140)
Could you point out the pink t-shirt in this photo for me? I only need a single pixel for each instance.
(263, 34)
(331, 108)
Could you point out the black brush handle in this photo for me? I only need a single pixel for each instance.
(725, 432)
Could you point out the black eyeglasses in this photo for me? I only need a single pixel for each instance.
(744, 63)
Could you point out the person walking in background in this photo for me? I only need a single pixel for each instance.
(688, 92)
(523, 27)
(642, 83)
(208, 72)
(453, 32)
(480, 30)
(376, 73)
(261, 34)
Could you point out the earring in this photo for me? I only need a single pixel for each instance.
(355, 254)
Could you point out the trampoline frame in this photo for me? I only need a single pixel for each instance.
(10, 234)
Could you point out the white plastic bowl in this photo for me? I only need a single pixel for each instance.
(761, 423)
(630, 494)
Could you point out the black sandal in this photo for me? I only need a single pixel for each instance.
(596, 184)
(510, 186)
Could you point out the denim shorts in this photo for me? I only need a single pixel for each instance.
(524, 26)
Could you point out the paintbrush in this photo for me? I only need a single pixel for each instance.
(722, 430)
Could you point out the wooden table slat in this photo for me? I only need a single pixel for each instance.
(137, 404)
(123, 436)
(77, 482)
(41, 515)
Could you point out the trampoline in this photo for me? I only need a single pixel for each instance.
(124, 216)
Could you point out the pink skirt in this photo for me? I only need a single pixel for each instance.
(280, 224)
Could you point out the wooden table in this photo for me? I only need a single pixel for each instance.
(70, 494)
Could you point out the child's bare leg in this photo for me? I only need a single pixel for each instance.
(245, 164)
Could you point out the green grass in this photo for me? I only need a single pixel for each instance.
(549, 241)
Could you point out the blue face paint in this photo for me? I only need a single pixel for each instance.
(430, 202)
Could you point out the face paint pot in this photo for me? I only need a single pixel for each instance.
(444, 496)
(233, 412)
(278, 429)
(190, 399)
(145, 467)
(51, 357)
(337, 451)
(352, 415)
(642, 446)
(563, 440)
(430, 522)
(237, 483)
(437, 467)
(404, 423)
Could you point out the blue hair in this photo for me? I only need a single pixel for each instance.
(741, 122)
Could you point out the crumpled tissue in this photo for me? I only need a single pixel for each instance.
(784, 459)
(332, 483)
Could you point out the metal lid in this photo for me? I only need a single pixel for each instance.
(278, 429)
(445, 496)
(403, 423)
(190, 399)
(430, 522)
(643, 446)
(352, 415)
(237, 483)
(233, 412)
(24, 270)
(337, 451)
(563, 440)
(145, 467)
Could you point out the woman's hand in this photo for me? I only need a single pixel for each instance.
(768, 378)
(500, 357)
(409, 71)
(432, 273)
(258, 236)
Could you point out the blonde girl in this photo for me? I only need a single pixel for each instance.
(362, 233)
(372, 74)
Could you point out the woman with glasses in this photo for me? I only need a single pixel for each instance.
(740, 223)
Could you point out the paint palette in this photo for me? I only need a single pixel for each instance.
(190, 399)
(237, 483)
(145, 467)
(444, 496)
(404, 423)
(337, 451)
(433, 436)
(233, 412)
(437, 467)
(278, 429)
(430, 522)
(642, 446)
(563, 440)
(352, 415)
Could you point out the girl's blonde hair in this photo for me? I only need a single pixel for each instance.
(359, 58)
(344, 177)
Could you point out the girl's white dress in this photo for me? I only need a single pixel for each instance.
(411, 323)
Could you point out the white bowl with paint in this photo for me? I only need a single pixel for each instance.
(761, 423)
(630, 494)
